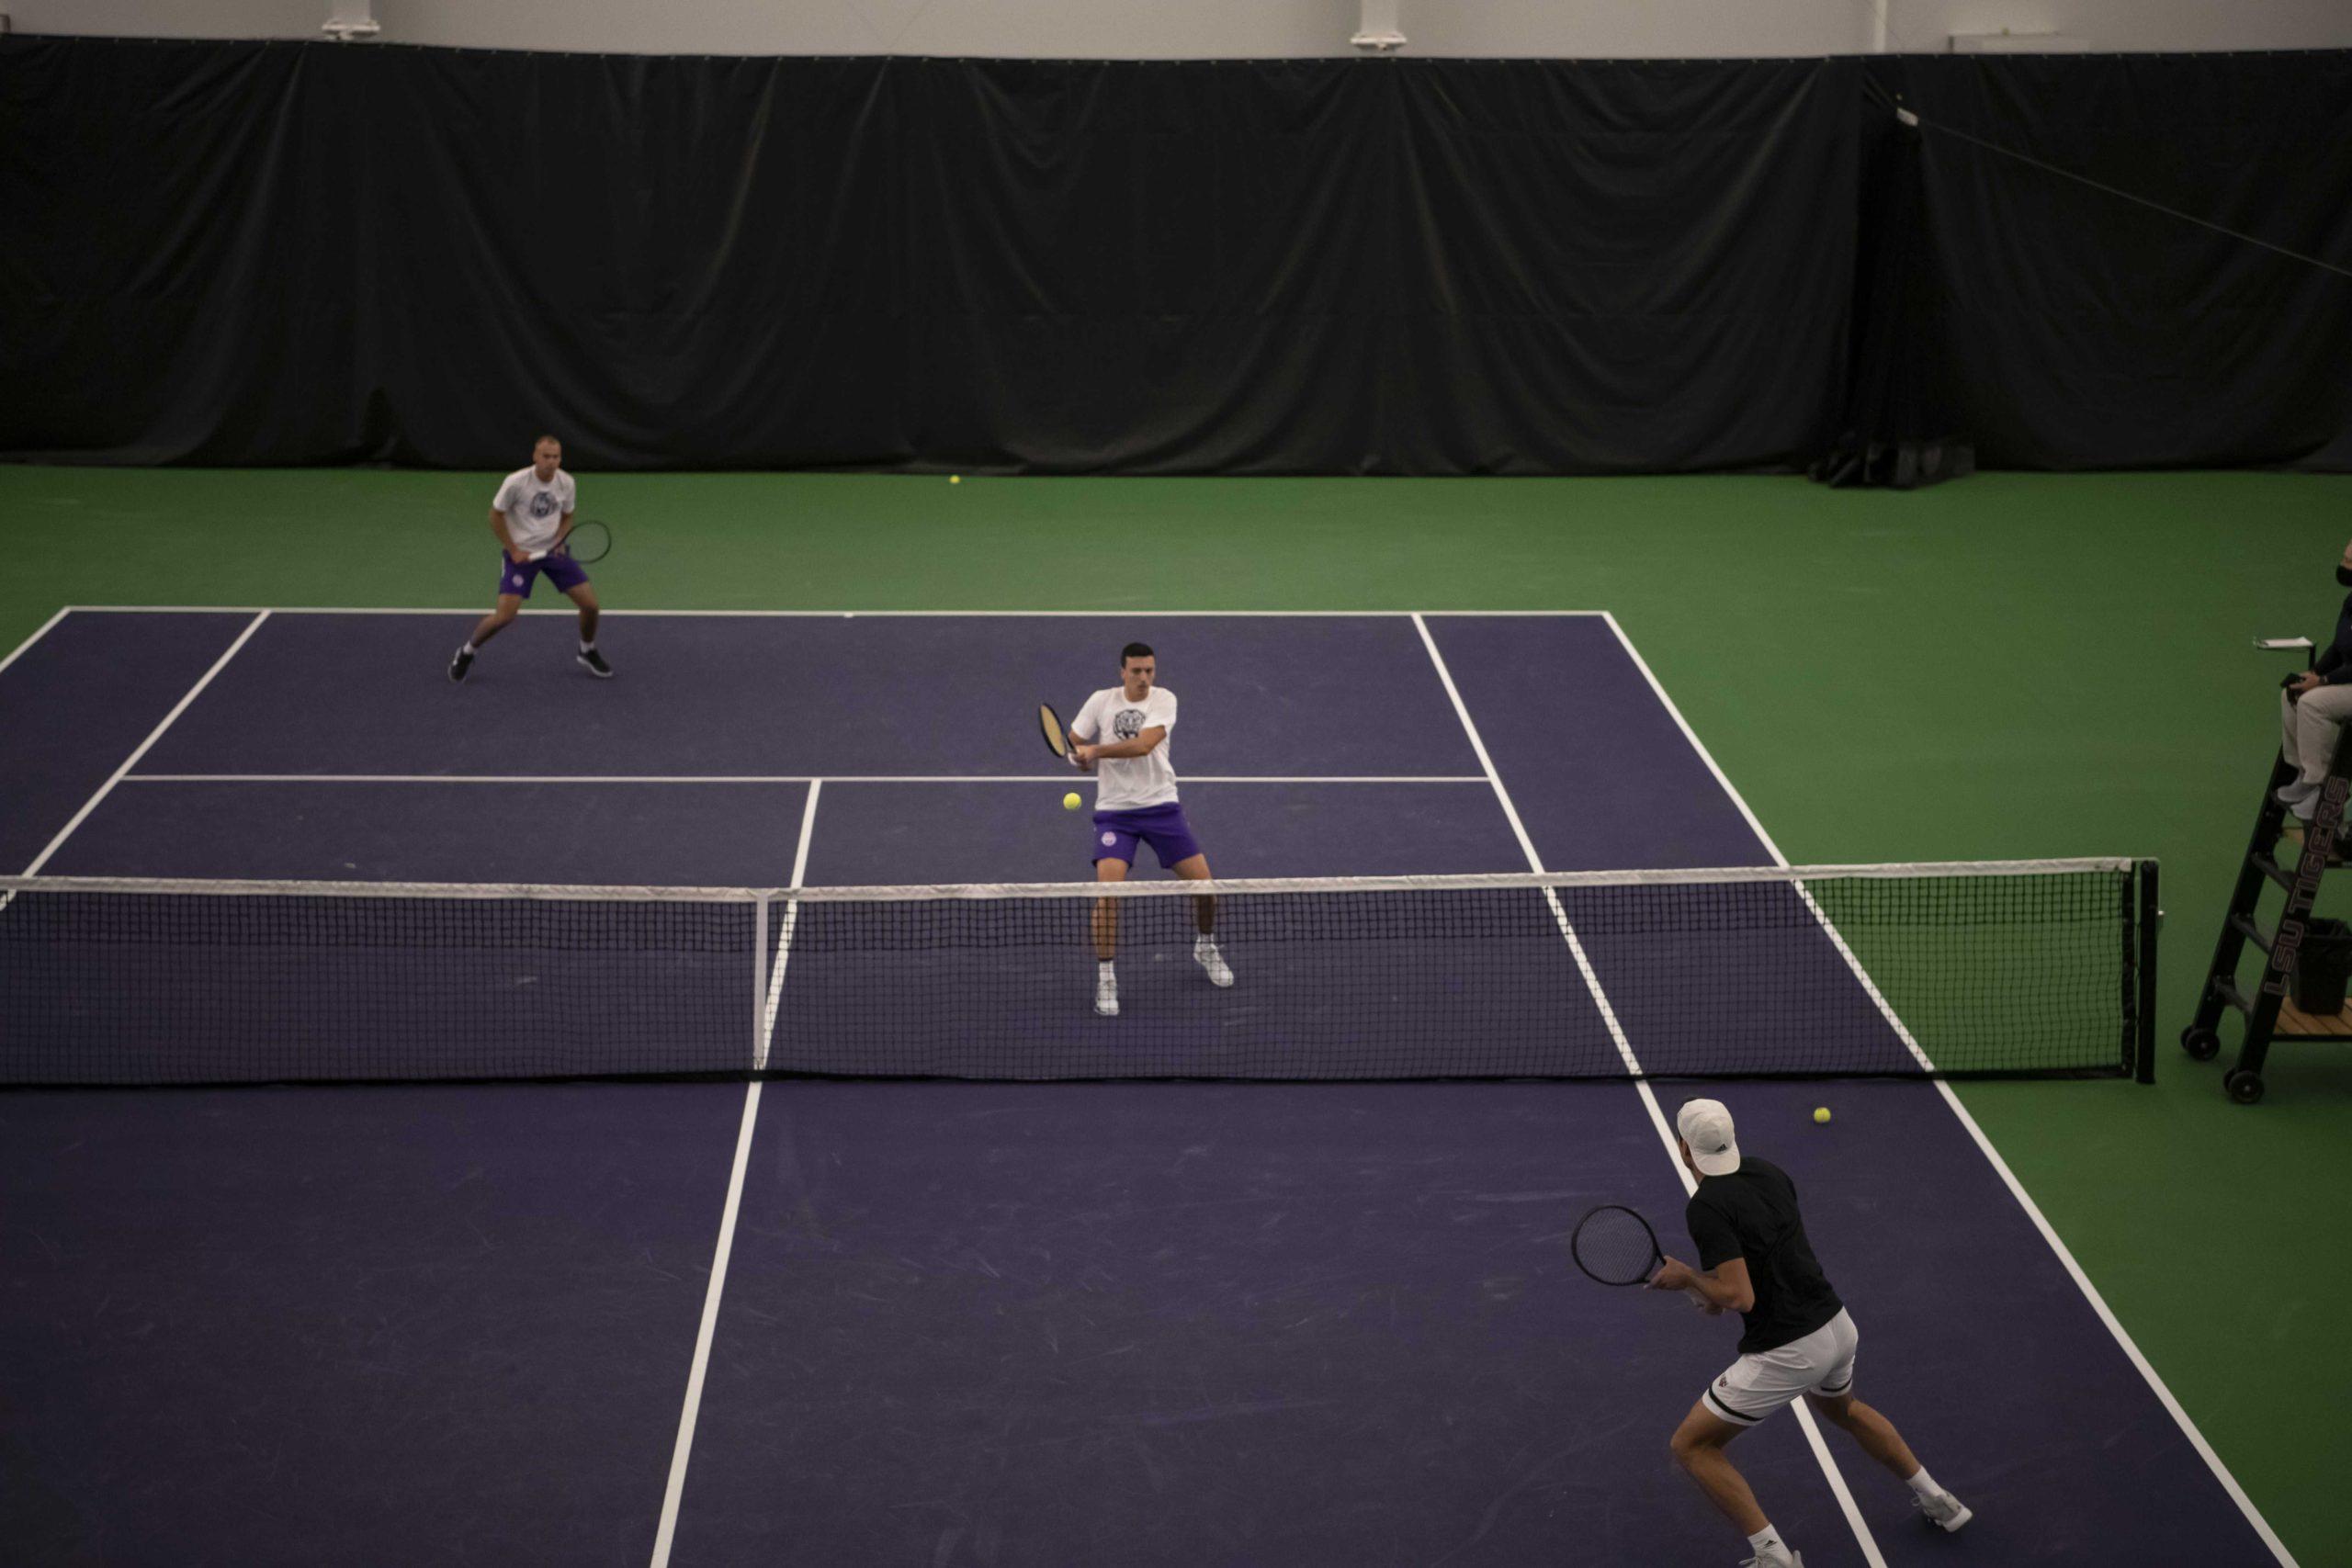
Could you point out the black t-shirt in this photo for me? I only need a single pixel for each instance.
(1752, 1213)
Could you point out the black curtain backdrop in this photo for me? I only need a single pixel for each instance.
(2063, 327)
(250, 253)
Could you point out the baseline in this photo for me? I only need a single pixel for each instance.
(819, 614)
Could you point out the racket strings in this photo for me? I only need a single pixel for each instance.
(1616, 1246)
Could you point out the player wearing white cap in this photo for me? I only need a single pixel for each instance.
(1754, 1259)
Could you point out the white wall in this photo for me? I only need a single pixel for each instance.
(1225, 28)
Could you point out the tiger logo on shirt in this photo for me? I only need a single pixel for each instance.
(1128, 724)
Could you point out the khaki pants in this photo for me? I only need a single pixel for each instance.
(2308, 728)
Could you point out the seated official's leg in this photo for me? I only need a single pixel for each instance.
(1698, 1447)
(2319, 717)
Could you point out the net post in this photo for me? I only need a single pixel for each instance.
(2150, 916)
(759, 981)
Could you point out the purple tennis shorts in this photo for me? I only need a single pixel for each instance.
(562, 570)
(1161, 826)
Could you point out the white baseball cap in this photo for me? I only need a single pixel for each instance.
(1705, 1125)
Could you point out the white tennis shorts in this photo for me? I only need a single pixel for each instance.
(1754, 1386)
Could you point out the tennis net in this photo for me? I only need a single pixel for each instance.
(2030, 968)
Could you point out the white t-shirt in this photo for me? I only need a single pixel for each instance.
(534, 510)
(1129, 784)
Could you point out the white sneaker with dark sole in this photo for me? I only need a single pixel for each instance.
(1945, 1511)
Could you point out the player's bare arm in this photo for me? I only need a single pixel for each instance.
(505, 539)
(1141, 746)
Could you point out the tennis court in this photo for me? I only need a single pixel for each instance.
(832, 1320)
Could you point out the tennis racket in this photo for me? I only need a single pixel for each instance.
(1616, 1245)
(1056, 737)
(589, 541)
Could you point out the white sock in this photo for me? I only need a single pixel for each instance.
(1764, 1538)
(1102, 968)
(1924, 1485)
(588, 647)
(469, 648)
(1204, 941)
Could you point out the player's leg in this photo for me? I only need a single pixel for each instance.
(573, 577)
(1194, 867)
(1834, 1402)
(1107, 868)
(500, 615)
(1879, 1438)
(1873, 1432)
(1749, 1389)
(1698, 1445)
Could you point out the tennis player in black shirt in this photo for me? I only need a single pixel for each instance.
(1754, 1259)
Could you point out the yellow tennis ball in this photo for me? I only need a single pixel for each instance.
(1821, 1113)
(954, 479)
(1070, 801)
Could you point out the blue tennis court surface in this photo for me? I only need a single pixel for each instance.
(983, 1324)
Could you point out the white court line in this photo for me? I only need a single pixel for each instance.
(1984, 1145)
(15, 653)
(791, 918)
(665, 1534)
(1821, 1453)
(1065, 777)
(475, 610)
(152, 736)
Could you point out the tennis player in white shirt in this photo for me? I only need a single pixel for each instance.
(532, 518)
(1135, 800)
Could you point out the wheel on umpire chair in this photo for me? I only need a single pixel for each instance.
(2245, 1087)
(2202, 1044)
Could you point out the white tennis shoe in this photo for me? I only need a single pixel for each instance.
(1107, 993)
(1776, 1555)
(1206, 955)
(1945, 1511)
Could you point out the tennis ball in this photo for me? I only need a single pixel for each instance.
(954, 479)
(1070, 801)
(1821, 1113)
